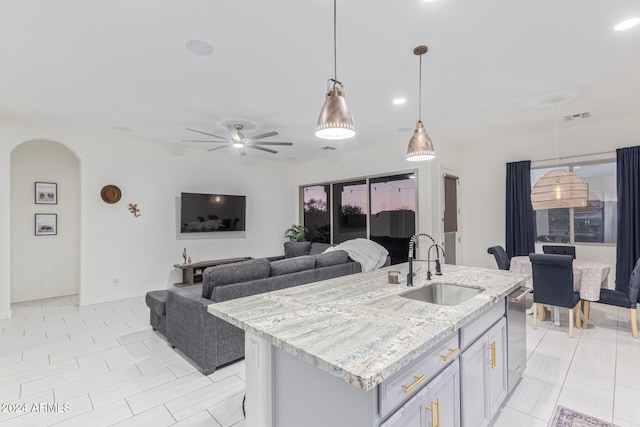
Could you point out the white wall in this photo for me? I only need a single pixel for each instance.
(140, 252)
(483, 191)
(44, 266)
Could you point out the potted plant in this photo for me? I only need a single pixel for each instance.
(296, 233)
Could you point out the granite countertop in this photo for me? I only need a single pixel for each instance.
(357, 327)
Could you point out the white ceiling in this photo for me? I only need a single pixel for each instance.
(492, 69)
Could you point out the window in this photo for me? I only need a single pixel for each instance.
(595, 223)
(393, 213)
(382, 208)
(317, 219)
(349, 211)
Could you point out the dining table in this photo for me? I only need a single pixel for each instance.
(588, 278)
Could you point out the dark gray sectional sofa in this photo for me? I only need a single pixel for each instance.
(181, 313)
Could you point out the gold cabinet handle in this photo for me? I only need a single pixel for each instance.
(433, 415)
(433, 412)
(453, 351)
(492, 347)
(407, 389)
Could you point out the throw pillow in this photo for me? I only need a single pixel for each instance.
(292, 265)
(294, 249)
(331, 258)
(227, 274)
(318, 248)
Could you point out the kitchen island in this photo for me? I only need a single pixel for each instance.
(330, 352)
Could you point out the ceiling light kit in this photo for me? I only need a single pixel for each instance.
(199, 47)
(335, 120)
(420, 145)
(558, 188)
(627, 24)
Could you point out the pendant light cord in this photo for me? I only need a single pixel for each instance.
(557, 150)
(335, 48)
(420, 91)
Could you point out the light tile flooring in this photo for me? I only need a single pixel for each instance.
(102, 365)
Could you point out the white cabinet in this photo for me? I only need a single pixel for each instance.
(436, 405)
(442, 408)
(483, 372)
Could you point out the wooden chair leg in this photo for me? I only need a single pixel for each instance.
(571, 322)
(577, 310)
(634, 323)
(587, 304)
(542, 312)
(535, 316)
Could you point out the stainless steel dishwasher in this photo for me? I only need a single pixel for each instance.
(516, 335)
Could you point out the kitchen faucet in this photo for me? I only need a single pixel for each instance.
(412, 243)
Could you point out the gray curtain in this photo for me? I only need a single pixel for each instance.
(520, 217)
(628, 242)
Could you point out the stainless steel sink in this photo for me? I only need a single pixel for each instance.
(443, 294)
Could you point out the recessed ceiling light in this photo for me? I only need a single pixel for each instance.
(625, 25)
(399, 101)
(428, 1)
(121, 128)
(199, 47)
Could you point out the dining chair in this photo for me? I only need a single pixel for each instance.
(559, 250)
(553, 285)
(628, 298)
(502, 259)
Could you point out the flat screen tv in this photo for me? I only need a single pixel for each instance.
(208, 213)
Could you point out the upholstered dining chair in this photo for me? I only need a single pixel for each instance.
(553, 285)
(559, 250)
(502, 259)
(628, 298)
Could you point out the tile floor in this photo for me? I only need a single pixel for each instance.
(102, 365)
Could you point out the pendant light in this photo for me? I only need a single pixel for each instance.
(335, 120)
(558, 188)
(420, 145)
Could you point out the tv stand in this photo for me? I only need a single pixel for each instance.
(192, 273)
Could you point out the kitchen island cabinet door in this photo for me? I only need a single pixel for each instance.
(483, 373)
(442, 409)
(497, 366)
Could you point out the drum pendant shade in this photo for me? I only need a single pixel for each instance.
(559, 189)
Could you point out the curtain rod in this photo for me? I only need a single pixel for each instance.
(573, 157)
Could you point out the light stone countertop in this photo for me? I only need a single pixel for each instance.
(356, 327)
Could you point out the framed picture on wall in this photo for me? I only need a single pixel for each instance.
(46, 193)
(46, 224)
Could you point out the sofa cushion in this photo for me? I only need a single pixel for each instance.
(294, 249)
(328, 259)
(318, 248)
(226, 274)
(292, 265)
(157, 301)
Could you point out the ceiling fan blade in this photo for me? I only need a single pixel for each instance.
(205, 133)
(257, 147)
(217, 148)
(263, 136)
(199, 140)
(273, 143)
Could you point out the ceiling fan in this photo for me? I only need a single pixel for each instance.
(238, 140)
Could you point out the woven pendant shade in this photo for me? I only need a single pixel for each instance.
(559, 189)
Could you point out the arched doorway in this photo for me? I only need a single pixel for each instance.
(45, 221)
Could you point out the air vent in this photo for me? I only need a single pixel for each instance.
(576, 116)
(327, 148)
